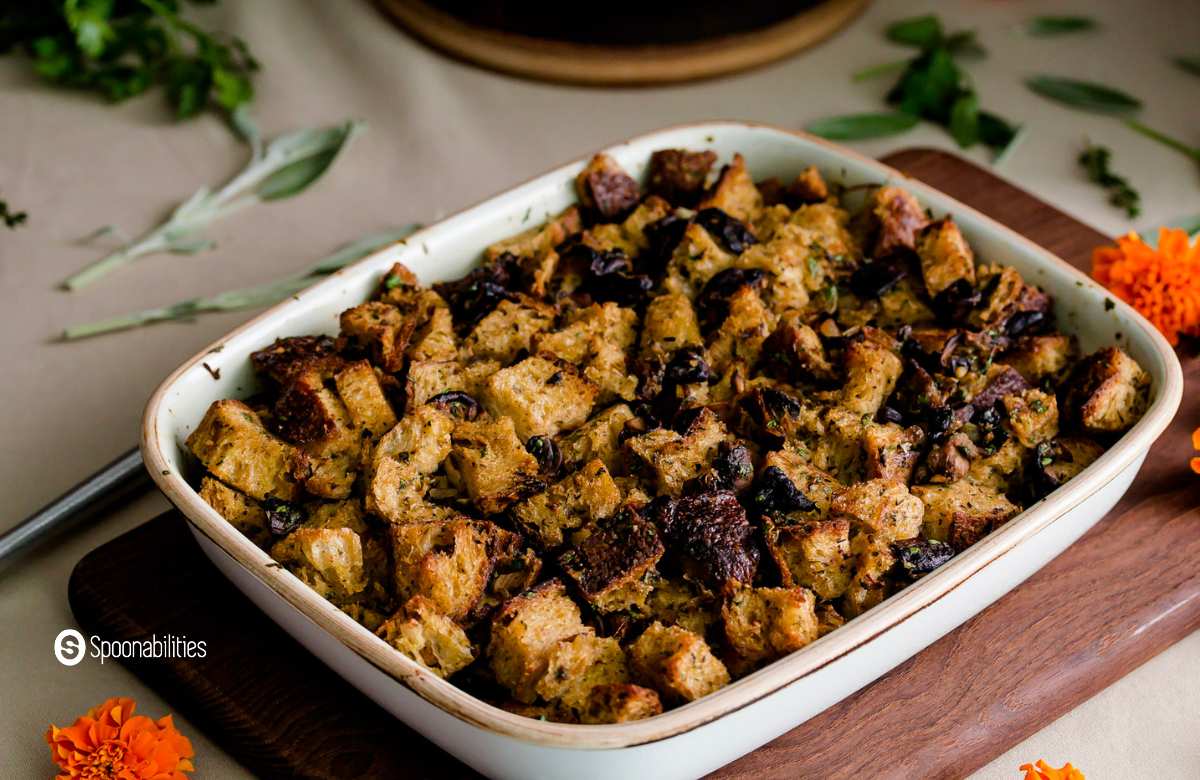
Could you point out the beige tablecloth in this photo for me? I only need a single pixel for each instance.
(444, 135)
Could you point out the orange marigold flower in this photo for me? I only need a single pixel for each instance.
(1195, 462)
(1044, 771)
(1163, 283)
(111, 742)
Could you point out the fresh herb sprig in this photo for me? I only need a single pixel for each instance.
(932, 86)
(1189, 64)
(282, 168)
(1101, 99)
(246, 297)
(12, 219)
(1096, 161)
(121, 48)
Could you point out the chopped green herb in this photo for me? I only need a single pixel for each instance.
(1109, 304)
(1190, 64)
(12, 219)
(1095, 160)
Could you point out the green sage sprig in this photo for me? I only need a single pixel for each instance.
(284, 167)
(1189, 64)
(247, 297)
(855, 127)
(1084, 95)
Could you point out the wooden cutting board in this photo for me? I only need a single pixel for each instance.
(629, 44)
(1117, 597)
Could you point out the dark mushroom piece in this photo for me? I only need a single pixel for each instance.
(457, 404)
(282, 517)
(733, 234)
(916, 558)
(712, 305)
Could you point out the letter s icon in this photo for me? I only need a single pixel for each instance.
(69, 647)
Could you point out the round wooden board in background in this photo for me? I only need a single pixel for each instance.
(555, 58)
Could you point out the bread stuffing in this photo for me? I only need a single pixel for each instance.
(682, 429)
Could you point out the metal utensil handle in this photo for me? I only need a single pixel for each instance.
(123, 478)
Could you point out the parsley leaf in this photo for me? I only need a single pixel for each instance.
(121, 48)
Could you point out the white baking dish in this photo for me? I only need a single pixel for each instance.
(697, 738)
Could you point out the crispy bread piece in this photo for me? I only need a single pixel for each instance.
(540, 396)
(962, 513)
(428, 637)
(620, 703)
(232, 443)
(609, 566)
(767, 623)
(328, 560)
(677, 662)
(241, 512)
(1108, 391)
(491, 464)
(814, 554)
(525, 631)
(582, 497)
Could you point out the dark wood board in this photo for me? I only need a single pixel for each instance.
(633, 43)
(1120, 595)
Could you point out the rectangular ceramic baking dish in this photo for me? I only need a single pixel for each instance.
(701, 736)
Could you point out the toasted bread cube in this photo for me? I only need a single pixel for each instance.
(1033, 416)
(712, 536)
(328, 560)
(679, 175)
(698, 257)
(838, 450)
(677, 662)
(828, 619)
(334, 461)
(605, 187)
(574, 666)
(539, 240)
(427, 378)
(873, 559)
(897, 219)
(620, 703)
(735, 193)
(597, 340)
(768, 623)
(287, 357)
(491, 463)
(882, 507)
(817, 486)
(892, 451)
(428, 637)
(794, 352)
(610, 565)
(946, 258)
(396, 492)
(582, 497)
(1108, 391)
(336, 514)
(242, 513)
(1001, 470)
(507, 330)
(232, 443)
(524, 632)
(742, 333)
(1039, 357)
(675, 459)
(422, 438)
(435, 338)
(382, 328)
(871, 373)
(962, 513)
(598, 438)
(827, 225)
(679, 602)
(628, 236)
(1064, 458)
(446, 562)
(670, 324)
(815, 554)
(359, 388)
(540, 396)
(792, 257)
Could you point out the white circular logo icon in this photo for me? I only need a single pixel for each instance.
(69, 647)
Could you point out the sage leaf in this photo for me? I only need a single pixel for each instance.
(964, 120)
(286, 166)
(1190, 64)
(1164, 139)
(1084, 95)
(1046, 26)
(923, 31)
(246, 297)
(856, 127)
